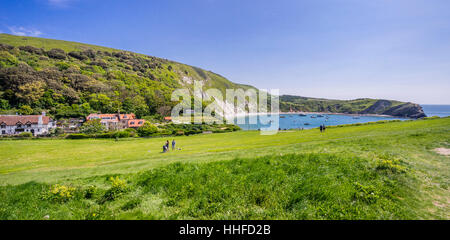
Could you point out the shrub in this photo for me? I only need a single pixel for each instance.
(90, 192)
(57, 53)
(32, 49)
(60, 193)
(57, 131)
(62, 65)
(77, 136)
(147, 130)
(105, 135)
(391, 165)
(25, 135)
(122, 134)
(131, 132)
(78, 55)
(92, 127)
(118, 187)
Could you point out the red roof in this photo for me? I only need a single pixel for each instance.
(135, 123)
(11, 120)
(103, 117)
(127, 116)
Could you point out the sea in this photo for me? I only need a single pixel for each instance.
(296, 121)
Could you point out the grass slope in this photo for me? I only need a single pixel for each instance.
(376, 171)
(65, 77)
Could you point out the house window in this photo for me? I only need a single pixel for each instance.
(140, 122)
(131, 123)
(3, 126)
(3, 132)
(19, 125)
(29, 125)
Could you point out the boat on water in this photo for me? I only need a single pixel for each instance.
(306, 124)
(319, 115)
(302, 115)
(313, 116)
(282, 116)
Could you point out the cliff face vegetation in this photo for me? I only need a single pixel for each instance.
(357, 106)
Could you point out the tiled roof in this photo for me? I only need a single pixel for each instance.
(11, 120)
(136, 122)
(127, 116)
(102, 116)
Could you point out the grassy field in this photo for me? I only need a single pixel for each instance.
(377, 171)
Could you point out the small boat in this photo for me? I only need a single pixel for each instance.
(319, 115)
(306, 124)
(282, 116)
(313, 116)
(302, 115)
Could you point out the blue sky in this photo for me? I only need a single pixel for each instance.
(343, 49)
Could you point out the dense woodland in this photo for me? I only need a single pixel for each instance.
(76, 83)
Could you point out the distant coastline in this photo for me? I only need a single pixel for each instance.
(317, 113)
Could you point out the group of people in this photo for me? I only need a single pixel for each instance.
(322, 128)
(166, 146)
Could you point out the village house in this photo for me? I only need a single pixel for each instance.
(117, 121)
(35, 124)
(71, 125)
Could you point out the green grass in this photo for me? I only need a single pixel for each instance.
(377, 171)
(48, 44)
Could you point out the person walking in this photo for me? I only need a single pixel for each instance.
(173, 144)
(321, 128)
(167, 145)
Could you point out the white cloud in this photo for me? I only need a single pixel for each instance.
(21, 31)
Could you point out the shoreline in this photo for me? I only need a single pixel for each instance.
(312, 113)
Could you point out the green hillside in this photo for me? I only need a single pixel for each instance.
(73, 79)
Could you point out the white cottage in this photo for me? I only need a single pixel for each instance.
(16, 124)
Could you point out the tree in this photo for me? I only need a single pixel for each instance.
(30, 92)
(136, 105)
(147, 130)
(25, 110)
(4, 104)
(85, 109)
(164, 110)
(92, 127)
(101, 102)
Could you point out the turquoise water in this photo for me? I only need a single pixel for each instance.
(294, 121)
